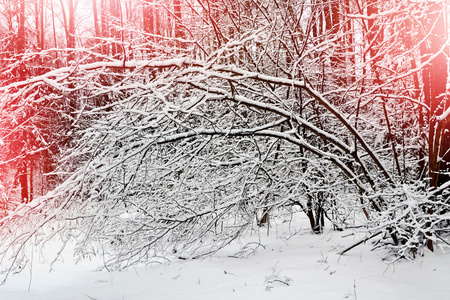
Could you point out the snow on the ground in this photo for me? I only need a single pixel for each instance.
(290, 266)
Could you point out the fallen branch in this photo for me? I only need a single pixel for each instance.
(359, 243)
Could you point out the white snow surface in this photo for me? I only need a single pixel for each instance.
(291, 263)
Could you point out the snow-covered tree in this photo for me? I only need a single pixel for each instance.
(211, 122)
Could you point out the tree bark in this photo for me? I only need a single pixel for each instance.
(148, 17)
(439, 137)
(71, 36)
(374, 35)
(23, 179)
(53, 24)
(178, 22)
(95, 12)
(21, 29)
(41, 25)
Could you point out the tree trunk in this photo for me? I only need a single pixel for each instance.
(23, 179)
(374, 35)
(71, 37)
(177, 23)
(95, 12)
(36, 23)
(21, 29)
(53, 24)
(116, 13)
(435, 80)
(69, 26)
(439, 136)
(41, 27)
(148, 17)
(350, 52)
(105, 24)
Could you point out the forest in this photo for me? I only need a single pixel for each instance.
(152, 128)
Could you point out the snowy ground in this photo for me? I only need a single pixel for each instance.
(290, 266)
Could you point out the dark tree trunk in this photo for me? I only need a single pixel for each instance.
(148, 17)
(439, 136)
(338, 60)
(23, 179)
(374, 35)
(349, 45)
(434, 78)
(178, 21)
(71, 36)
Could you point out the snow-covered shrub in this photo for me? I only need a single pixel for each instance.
(413, 220)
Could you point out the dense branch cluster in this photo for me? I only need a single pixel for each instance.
(174, 135)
